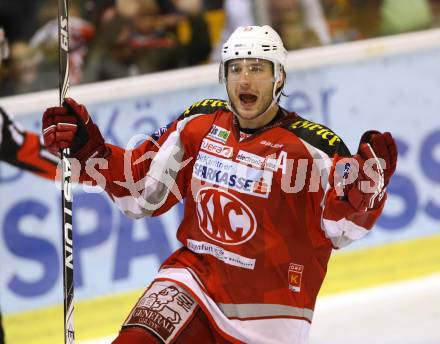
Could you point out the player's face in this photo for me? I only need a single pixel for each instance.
(250, 85)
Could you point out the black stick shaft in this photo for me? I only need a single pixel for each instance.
(66, 185)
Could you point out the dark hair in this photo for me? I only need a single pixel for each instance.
(282, 85)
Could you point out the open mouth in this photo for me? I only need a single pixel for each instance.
(248, 98)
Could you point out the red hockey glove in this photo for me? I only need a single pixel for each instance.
(70, 126)
(376, 158)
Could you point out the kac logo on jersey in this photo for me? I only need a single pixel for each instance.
(223, 217)
(219, 134)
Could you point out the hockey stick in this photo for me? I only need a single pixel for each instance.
(66, 185)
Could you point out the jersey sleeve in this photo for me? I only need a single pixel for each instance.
(32, 156)
(26, 151)
(146, 180)
(340, 224)
(149, 179)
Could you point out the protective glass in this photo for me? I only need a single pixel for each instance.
(249, 69)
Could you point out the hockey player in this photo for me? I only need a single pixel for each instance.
(20, 148)
(24, 150)
(268, 195)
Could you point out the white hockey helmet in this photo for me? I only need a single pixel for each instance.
(261, 42)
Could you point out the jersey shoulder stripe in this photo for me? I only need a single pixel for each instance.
(317, 135)
(205, 106)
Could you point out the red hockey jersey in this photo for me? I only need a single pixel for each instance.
(261, 216)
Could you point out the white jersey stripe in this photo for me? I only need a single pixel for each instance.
(252, 310)
(160, 179)
(258, 331)
(343, 232)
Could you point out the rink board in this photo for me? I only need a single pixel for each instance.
(386, 84)
(347, 271)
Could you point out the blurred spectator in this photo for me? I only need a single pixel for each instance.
(237, 13)
(141, 36)
(20, 72)
(197, 49)
(435, 10)
(45, 40)
(301, 23)
(399, 16)
(91, 10)
(156, 35)
(315, 20)
(4, 45)
(110, 54)
(18, 18)
(364, 17)
(339, 21)
(373, 18)
(118, 38)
